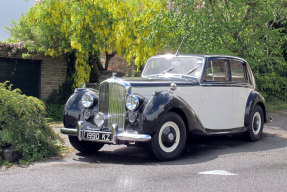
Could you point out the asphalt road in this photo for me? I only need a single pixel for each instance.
(221, 163)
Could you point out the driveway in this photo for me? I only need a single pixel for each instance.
(218, 163)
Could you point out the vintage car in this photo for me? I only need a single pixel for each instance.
(175, 97)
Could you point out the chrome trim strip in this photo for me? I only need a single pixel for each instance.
(225, 131)
(224, 84)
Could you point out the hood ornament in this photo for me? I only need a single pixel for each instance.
(83, 85)
(114, 75)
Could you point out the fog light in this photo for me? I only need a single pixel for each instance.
(99, 119)
(87, 114)
(132, 117)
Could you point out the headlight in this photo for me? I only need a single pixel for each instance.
(132, 102)
(87, 100)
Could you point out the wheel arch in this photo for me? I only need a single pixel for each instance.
(183, 117)
(254, 99)
(261, 104)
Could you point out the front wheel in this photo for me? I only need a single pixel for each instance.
(169, 140)
(256, 123)
(85, 146)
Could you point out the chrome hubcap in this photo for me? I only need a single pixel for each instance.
(170, 136)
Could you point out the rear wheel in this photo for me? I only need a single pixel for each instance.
(85, 146)
(256, 123)
(169, 140)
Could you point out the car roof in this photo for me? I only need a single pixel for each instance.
(200, 55)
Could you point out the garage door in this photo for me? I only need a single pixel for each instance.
(23, 74)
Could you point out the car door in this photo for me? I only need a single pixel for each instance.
(215, 110)
(241, 88)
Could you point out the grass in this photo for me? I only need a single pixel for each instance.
(277, 106)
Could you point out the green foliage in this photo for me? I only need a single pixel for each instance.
(56, 101)
(276, 105)
(23, 126)
(6, 163)
(61, 95)
(241, 28)
(88, 28)
(55, 112)
(137, 29)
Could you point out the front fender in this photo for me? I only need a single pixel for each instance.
(73, 109)
(163, 102)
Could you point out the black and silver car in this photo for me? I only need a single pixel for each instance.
(175, 97)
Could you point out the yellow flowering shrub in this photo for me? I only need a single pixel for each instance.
(91, 27)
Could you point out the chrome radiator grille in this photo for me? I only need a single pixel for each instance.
(112, 103)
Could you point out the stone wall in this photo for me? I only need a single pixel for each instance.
(53, 72)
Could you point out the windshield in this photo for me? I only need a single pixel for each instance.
(182, 65)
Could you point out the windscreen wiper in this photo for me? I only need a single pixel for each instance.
(167, 70)
(190, 71)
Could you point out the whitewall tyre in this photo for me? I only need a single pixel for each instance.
(169, 140)
(256, 124)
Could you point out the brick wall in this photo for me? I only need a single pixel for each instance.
(119, 64)
(53, 72)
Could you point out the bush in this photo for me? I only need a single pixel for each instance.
(55, 111)
(56, 101)
(64, 92)
(23, 126)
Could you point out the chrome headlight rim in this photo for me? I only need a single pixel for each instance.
(87, 100)
(132, 102)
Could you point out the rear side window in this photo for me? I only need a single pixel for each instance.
(238, 71)
(216, 70)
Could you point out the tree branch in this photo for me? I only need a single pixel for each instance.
(108, 58)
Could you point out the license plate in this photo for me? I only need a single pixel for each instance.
(97, 136)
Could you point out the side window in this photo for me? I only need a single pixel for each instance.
(238, 71)
(216, 70)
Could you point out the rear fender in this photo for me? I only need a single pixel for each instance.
(254, 99)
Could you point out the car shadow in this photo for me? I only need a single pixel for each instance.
(199, 149)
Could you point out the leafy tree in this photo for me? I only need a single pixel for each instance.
(91, 27)
(238, 27)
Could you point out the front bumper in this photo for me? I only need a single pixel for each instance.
(116, 135)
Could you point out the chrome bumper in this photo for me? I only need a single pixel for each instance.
(116, 135)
